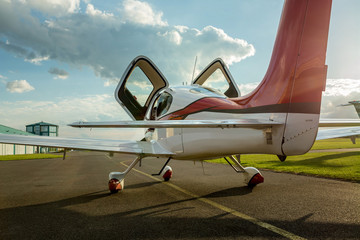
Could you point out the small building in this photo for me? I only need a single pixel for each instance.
(43, 129)
(12, 149)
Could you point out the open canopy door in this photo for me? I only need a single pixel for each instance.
(216, 75)
(139, 84)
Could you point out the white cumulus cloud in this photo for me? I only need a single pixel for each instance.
(142, 13)
(342, 87)
(106, 42)
(90, 9)
(19, 86)
(340, 91)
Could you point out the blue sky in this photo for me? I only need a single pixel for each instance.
(60, 60)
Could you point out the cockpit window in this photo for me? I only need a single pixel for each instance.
(162, 104)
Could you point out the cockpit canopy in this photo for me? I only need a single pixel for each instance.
(142, 82)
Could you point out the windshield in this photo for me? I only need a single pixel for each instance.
(161, 105)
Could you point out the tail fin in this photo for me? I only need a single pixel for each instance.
(297, 70)
(296, 75)
(356, 105)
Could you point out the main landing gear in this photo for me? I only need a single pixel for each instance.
(116, 179)
(252, 176)
(165, 171)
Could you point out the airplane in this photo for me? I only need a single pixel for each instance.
(356, 105)
(197, 122)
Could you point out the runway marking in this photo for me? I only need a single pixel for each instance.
(253, 220)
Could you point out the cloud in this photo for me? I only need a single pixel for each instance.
(142, 13)
(59, 73)
(107, 42)
(19, 86)
(28, 55)
(142, 84)
(340, 91)
(52, 7)
(247, 87)
(172, 36)
(90, 10)
(342, 87)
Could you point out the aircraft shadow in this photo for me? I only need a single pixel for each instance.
(111, 218)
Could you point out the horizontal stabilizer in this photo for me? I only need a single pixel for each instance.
(339, 122)
(236, 123)
(337, 132)
(119, 146)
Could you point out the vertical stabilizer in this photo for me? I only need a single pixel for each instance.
(356, 105)
(309, 79)
(296, 75)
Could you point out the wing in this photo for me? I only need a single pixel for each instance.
(144, 148)
(339, 122)
(131, 147)
(236, 123)
(346, 129)
(337, 132)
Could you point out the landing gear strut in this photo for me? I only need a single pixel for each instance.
(252, 176)
(116, 179)
(165, 171)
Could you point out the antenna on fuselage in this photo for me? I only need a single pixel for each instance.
(192, 79)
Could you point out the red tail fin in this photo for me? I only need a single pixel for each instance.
(296, 74)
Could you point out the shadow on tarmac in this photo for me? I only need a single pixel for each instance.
(111, 218)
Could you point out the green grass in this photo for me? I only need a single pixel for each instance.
(339, 165)
(28, 156)
(335, 144)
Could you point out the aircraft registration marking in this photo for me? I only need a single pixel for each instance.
(253, 220)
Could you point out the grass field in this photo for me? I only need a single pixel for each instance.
(339, 165)
(335, 144)
(28, 156)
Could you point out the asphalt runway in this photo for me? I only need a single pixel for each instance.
(68, 199)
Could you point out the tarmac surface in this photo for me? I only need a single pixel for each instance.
(68, 199)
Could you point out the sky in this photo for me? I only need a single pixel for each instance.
(61, 60)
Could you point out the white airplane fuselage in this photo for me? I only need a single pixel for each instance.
(207, 143)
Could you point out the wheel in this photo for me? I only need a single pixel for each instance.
(115, 185)
(167, 173)
(252, 177)
(255, 180)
